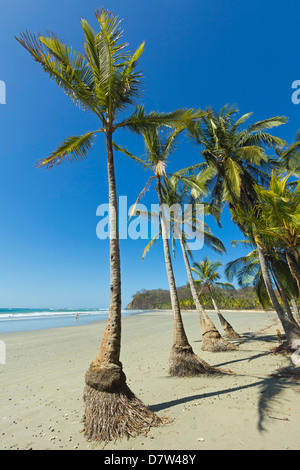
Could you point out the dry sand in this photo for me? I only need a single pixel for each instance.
(42, 383)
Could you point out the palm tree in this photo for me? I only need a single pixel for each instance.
(239, 161)
(176, 194)
(207, 273)
(159, 145)
(236, 155)
(105, 81)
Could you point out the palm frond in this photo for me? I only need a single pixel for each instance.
(232, 172)
(252, 154)
(241, 121)
(150, 244)
(225, 285)
(68, 68)
(140, 122)
(262, 138)
(268, 123)
(72, 149)
(132, 211)
(126, 152)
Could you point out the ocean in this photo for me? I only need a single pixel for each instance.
(28, 319)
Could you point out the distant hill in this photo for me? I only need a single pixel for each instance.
(238, 299)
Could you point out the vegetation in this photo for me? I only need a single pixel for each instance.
(183, 361)
(235, 169)
(174, 195)
(105, 81)
(240, 299)
(208, 276)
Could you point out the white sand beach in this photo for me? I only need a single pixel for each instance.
(42, 383)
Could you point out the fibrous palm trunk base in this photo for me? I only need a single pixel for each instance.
(213, 342)
(185, 363)
(211, 338)
(112, 411)
(230, 333)
(285, 348)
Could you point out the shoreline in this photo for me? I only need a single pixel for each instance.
(70, 321)
(42, 386)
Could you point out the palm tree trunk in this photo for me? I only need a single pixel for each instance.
(293, 268)
(295, 309)
(230, 333)
(107, 361)
(180, 337)
(211, 338)
(183, 361)
(297, 257)
(283, 296)
(109, 352)
(291, 330)
(202, 314)
(112, 411)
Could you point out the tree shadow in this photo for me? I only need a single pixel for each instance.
(270, 389)
(246, 337)
(180, 401)
(248, 359)
(272, 386)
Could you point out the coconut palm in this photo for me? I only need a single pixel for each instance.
(104, 80)
(236, 155)
(208, 275)
(158, 146)
(176, 195)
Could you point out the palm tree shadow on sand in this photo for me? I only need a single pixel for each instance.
(272, 387)
(269, 391)
(180, 401)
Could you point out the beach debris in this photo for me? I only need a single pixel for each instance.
(200, 439)
(280, 419)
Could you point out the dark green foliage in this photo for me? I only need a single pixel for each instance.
(239, 299)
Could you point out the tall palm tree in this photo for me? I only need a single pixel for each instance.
(208, 275)
(105, 81)
(239, 161)
(176, 194)
(158, 146)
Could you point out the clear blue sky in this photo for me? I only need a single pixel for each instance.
(198, 53)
